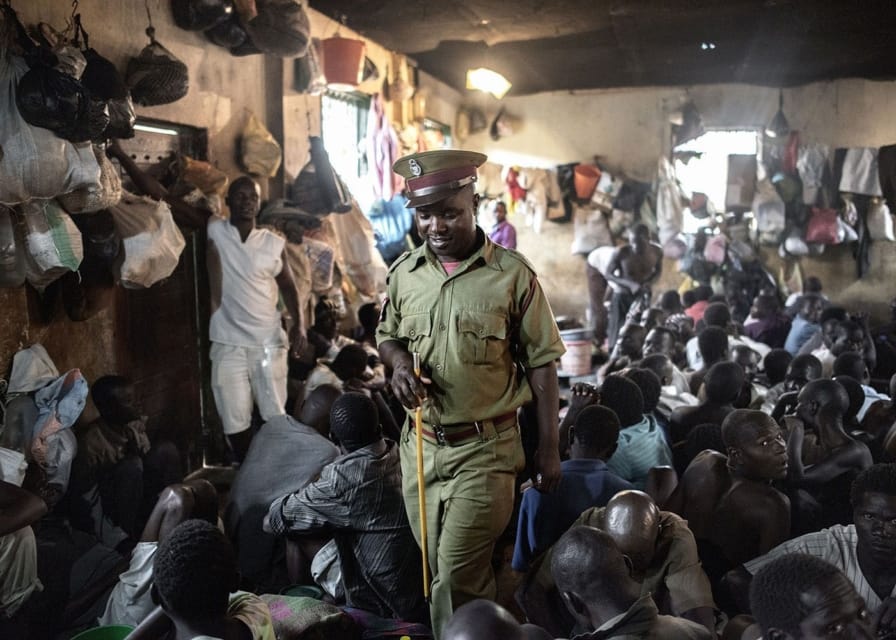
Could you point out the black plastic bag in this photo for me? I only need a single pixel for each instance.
(103, 80)
(228, 34)
(156, 76)
(281, 28)
(198, 15)
(49, 98)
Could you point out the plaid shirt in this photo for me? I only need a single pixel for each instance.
(358, 500)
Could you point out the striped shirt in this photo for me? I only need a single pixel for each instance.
(641, 446)
(358, 500)
(837, 546)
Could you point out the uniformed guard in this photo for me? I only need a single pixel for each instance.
(476, 314)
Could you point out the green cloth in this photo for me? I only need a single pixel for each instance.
(469, 501)
(471, 328)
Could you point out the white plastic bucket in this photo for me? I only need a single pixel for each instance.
(577, 359)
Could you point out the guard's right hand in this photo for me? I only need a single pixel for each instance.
(407, 387)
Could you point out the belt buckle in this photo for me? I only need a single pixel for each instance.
(477, 424)
(440, 434)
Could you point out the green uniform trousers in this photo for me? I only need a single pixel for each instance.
(469, 500)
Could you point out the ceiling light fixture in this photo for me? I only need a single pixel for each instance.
(707, 46)
(492, 82)
(778, 127)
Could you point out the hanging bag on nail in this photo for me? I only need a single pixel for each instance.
(52, 99)
(157, 76)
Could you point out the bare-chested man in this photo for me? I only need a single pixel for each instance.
(633, 268)
(735, 513)
(839, 457)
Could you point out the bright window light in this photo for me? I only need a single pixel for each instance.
(708, 173)
(489, 81)
(150, 129)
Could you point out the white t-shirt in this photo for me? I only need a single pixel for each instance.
(248, 315)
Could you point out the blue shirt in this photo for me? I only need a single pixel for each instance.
(544, 518)
(641, 447)
(800, 332)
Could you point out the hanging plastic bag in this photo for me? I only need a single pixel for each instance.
(308, 75)
(261, 154)
(880, 222)
(280, 28)
(590, 230)
(104, 82)
(208, 178)
(228, 34)
(823, 227)
(101, 195)
(53, 244)
(12, 257)
(769, 212)
(151, 242)
(156, 76)
(669, 207)
(69, 59)
(321, 257)
(198, 15)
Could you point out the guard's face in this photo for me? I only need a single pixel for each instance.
(449, 227)
(835, 611)
(875, 518)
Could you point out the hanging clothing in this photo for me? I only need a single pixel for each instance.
(382, 151)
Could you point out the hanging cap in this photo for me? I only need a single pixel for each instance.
(434, 175)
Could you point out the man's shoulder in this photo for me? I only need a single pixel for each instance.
(674, 628)
(404, 262)
(513, 259)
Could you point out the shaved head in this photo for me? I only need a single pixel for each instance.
(632, 520)
(482, 620)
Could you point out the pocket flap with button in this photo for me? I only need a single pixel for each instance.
(482, 336)
(415, 326)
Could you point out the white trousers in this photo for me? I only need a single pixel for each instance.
(243, 375)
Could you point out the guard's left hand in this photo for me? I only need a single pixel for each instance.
(547, 469)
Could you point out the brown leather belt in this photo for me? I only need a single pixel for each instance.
(456, 434)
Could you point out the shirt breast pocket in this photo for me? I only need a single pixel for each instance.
(414, 328)
(483, 337)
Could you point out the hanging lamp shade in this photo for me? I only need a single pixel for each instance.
(778, 127)
(343, 62)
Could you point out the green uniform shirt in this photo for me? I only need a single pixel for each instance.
(473, 329)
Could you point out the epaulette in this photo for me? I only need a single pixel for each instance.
(404, 256)
(519, 257)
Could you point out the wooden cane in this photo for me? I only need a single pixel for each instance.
(421, 485)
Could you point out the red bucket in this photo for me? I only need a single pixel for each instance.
(342, 61)
(586, 177)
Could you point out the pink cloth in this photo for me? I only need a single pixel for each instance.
(695, 311)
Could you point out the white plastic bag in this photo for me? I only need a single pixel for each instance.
(12, 254)
(53, 243)
(591, 230)
(102, 194)
(769, 211)
(669, 206)
(151, 242)
(880, 222)
(34, 163)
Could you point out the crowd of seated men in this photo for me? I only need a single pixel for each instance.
(721, 480)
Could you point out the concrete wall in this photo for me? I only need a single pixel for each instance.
(627, 130)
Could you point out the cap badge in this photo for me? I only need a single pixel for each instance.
(415, 167)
